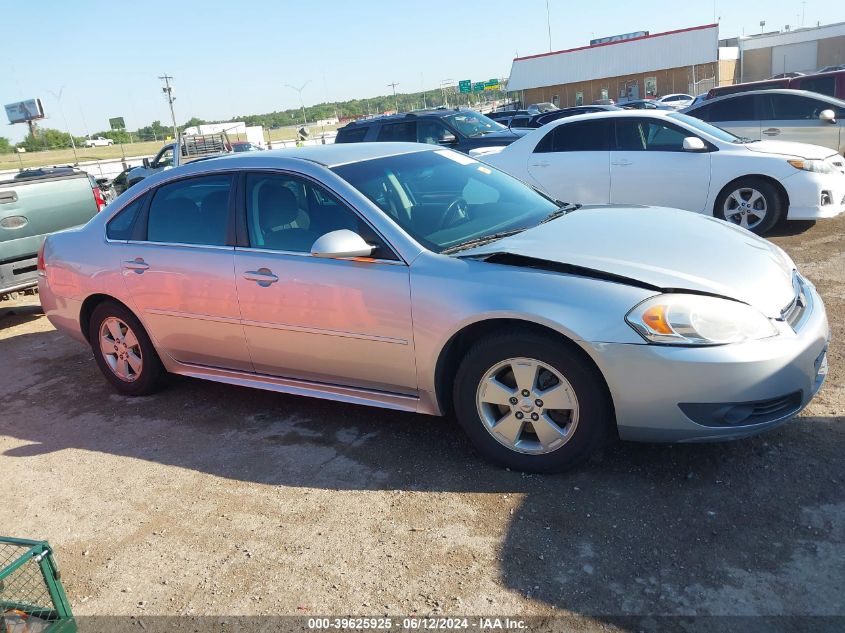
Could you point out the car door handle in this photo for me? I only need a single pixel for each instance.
(138, 265)
(622, 162)
(540, 164)
(263, 276)
(772, 131)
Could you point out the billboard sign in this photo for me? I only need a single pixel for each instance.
(117, 123)
(493, 84)
(23, 111)
(619, 38)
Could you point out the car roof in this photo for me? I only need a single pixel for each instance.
(429, 112)
(783, 91)
(330, 155)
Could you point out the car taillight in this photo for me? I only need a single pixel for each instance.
(40, 263)
(98, 198)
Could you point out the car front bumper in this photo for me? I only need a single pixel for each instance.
(815, 196)
(653, 386)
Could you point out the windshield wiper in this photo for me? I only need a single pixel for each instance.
(480, 241)
(563, 209)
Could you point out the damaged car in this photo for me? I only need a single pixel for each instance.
(419, 279)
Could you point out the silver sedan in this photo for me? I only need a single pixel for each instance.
(416, 278)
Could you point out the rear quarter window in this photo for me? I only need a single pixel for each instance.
(120, 227)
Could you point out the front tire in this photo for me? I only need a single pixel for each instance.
(752, 203)
(530, 403)
(123, 351)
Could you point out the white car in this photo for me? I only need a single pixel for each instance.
(99, 141)
(676, 101)
(665, 158)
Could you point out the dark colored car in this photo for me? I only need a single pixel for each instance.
(506, 117)
(644, 104)
(539, 120)
(458, 129)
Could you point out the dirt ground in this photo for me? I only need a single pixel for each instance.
(209, 499)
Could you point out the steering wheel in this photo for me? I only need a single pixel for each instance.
(457, 210)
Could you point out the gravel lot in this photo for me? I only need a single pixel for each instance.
(209, 499)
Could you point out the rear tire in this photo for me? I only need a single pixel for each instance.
(753, 203)
(525, 432)
(123, 351)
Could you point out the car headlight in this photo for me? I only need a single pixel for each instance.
(815, 166)
(682, 319)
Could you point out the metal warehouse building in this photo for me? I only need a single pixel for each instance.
(802, 50)
(628, 67)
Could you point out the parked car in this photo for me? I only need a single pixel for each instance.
(646, 104)
(604, 102)
(98, 141)
(676, 101)
(245, 146)
(458, 129)
(787, 115)
(191, 148)
(539, 120)
(829, 81)
(33, 204)
(417, 278)
(540, 108)
(829, 69)
(673, 160)
(511, 118)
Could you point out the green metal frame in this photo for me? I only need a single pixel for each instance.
(41, 553)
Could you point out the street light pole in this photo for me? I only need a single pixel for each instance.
(549, 24)
(58, 98)
(168, 94)
(301, 103)
(395, 100)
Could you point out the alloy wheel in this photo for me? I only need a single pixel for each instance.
(120, 349)
(746, 207)
(527, 406)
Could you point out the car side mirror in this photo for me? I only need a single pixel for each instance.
(341, 244)
(694, 144)
(147, 163)
(827, 115)
(448, 139)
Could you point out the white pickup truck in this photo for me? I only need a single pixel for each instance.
(192, 148)
(98, 141)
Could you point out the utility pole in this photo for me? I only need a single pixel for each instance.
(395, 100)
(168, 94)
(301, 103)
(549, 24)
(58, 98)
(444, 83)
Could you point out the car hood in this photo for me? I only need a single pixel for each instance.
(667, 249)
(787, 148)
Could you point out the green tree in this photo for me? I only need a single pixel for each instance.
(5, 146)
(46, 138)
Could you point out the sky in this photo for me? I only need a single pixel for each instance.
(234, 58)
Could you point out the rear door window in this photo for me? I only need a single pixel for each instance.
(191, 211)
(736, 109)
(585, 136)
(399, 132)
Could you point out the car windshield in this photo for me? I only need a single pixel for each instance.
(444, 199)
(706, 128)
(473, 123)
